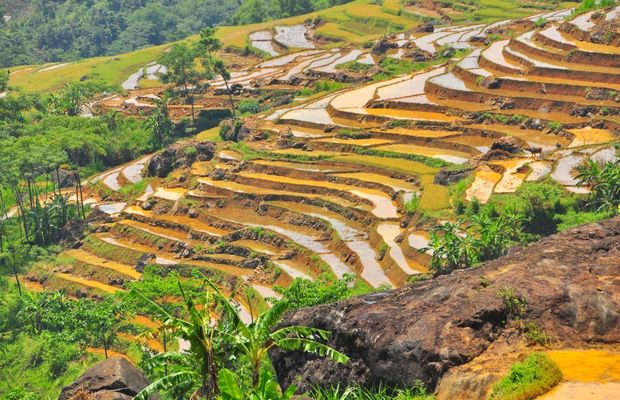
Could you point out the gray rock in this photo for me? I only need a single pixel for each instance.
(112, 379)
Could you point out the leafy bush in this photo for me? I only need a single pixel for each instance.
(248, 107)
(413, 204)
(417, 392)
(529, 379)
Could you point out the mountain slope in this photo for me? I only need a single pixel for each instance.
(357, 22)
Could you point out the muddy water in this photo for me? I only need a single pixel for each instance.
(450, 81)
(409, 87)
(133, 172)
(111, 181)
(91, 259)
(304, 166)
(480, 143)
(266, 46)
(410, 115)
(540, 169)
(419, 240)
(358, 98)
(357, 142)
(396, 184)
(312, 115)
(513, 175)
(173, 194)
(287, 59)
(383, 205)
(482, 187)
(494, 53)
(147, 192)
(229, 155)
(266, 292)
(372, 273)
(605, 155)
(181, 219)
(389, 231)
(293, 36)
(350, 56)
(588, 374)
(291, 270)
(455, 157)
(310, 242)
(565, 167)
(88, 283)
(589, 135)
(112, 208)
(366, 59)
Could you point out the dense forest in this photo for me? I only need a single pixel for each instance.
(252, 11)
(63, 30)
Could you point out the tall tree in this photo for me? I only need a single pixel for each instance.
(209, 44)
(182, 72)
(160, 124)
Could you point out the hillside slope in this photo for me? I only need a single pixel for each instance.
(358, 22)
(568, 281)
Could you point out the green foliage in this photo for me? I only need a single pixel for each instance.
(68, 30)
(4, 80)
(529, 379)
(354, 392)
(250, 107)
(603, 180)
(252, 11)
(587, 5)
(515, 304)
(211, 323)
(43, 337)
(306, 293)
(160, 124)
(354, 66)
(483, 234)
(534, 334)
(412, 204)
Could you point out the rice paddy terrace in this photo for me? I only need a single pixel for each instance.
(320, 185)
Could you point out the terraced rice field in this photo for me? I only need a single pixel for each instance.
(326, 191)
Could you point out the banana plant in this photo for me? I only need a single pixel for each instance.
(267, 388)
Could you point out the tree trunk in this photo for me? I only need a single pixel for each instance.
(230, 97)
(19, 286)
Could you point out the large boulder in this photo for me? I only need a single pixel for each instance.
(422, 331)
(112, 379)
(179, 155)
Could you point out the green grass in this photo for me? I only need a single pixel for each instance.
(110, 70)
(111, 252)
(133, 190)
(529, 379)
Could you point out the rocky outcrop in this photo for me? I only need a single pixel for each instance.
(569, 281)
(179, 155)
(112, 379)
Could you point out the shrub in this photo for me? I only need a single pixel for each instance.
(248, 107)
(529, 379)
(534, 334)
(413, 204)
(515, 303)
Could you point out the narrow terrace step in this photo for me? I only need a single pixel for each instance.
(383, 205)
(182, 220)
(87, 283)
(236, 187)
(91, 259)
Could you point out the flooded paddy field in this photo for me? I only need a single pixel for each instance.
(348, 179)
